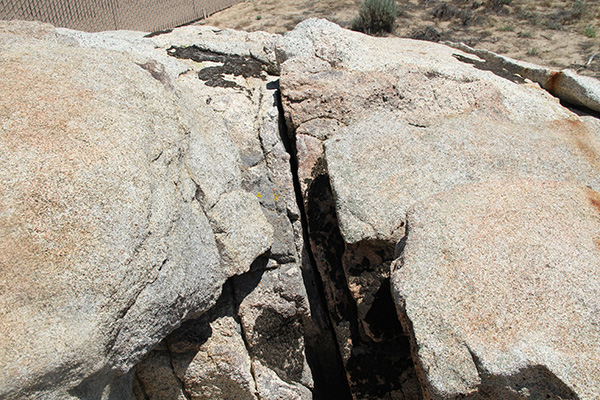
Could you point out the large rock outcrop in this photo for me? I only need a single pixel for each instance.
(382, 123)
(168, 234)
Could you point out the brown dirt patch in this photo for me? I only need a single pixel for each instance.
(556, 33)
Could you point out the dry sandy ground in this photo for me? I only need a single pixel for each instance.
(558, 33)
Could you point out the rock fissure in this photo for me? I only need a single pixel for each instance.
(182, 387)
(329, 374)
(130, 305)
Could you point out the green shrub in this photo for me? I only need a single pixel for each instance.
(376, 16)
(589, 31)
(506, 28)
(578, 8)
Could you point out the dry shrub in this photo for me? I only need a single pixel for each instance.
(376, 16)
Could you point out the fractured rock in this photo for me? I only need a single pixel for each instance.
(498, 286)
(382, 123)
(271, 302)
(370, 99)
(206, 358)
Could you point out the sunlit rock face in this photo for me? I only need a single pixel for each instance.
(210, 213)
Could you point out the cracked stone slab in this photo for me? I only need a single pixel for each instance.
(272, 387)
(155, 378)
(206, 358)
(498, 286)
(242, 231)
(273, 310)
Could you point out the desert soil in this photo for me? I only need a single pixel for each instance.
(555, 33)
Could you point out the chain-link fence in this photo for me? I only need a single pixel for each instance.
(102, 15)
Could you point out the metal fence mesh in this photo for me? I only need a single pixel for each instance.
(102, 15)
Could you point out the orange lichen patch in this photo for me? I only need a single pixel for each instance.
(553, 82)
(594, 198)
(580, 136)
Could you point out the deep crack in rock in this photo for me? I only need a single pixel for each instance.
(322, 352)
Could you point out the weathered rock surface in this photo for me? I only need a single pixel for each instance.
(113, 232)
(383, 123)
(499, 286)
(205, 358)
(371, 99)
(149, 181)
(238, 101)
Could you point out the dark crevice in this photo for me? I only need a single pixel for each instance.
(196, 331)
(582, 111)
(322, 352)
(139, 389)
(380, 363)
(374, 351)
(257, 269)
(177, 378)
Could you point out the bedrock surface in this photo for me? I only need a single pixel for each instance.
(211, 213)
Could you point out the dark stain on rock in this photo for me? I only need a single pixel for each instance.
(231, 65)
(158, 33)
(553, 82)
(157, 70)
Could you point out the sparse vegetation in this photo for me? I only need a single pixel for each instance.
(577, 8)
(497, 5)
(556, 33)
(553, 24)
(507, 28)
(376, 16)
(589, 31)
